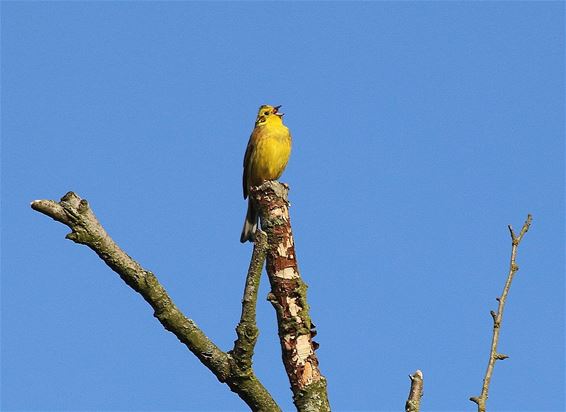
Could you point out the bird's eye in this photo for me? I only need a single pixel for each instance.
(266, 113)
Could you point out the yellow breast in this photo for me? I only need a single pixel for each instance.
(271, 153)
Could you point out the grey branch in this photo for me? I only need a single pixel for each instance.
(498, 316)
(86, 229)
(413, 403)
(247, 329)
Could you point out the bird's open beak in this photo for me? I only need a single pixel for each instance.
(276, 111)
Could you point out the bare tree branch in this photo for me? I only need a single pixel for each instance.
(247, 330)
(413, 403)
(85, 229)
(498, 316)
(289, 298)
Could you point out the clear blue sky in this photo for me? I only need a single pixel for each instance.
(420, 131)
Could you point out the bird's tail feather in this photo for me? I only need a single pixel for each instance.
(250, 224)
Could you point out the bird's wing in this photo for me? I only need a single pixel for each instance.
(247, 156)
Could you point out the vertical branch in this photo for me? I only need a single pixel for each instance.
(498, 316)
(289, 298)
(247, 330)
(413, 403)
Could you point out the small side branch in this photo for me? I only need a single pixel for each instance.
(413, 403)
(247, 329)
(289, 298)
(498, 316)
(86, 229)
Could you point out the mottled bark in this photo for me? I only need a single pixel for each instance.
(413, 403)
(85, 229)
(247, 329)
(289, 298)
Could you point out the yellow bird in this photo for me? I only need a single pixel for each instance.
(266, 156)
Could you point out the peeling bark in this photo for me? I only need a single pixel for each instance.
(289, 298)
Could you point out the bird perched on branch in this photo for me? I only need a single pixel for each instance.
(266, 156)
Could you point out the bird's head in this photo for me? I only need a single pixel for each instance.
(268, 114)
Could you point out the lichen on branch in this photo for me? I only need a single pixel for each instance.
(247, 330)
(75, 212)
(289, 298)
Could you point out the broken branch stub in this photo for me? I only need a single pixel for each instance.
(289, 298)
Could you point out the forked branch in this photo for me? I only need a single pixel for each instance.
(497, 317)
(235, 371)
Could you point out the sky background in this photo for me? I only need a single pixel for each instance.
(420, 131)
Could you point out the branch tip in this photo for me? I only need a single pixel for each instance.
(511, 231)
(417, 375)
(52, 209)
(413, 402)
(83, 206)
(498, 316)
(69, 196)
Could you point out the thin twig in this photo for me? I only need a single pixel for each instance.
(87, 230)
(413, 403)
(247, 330)
(498, 316)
